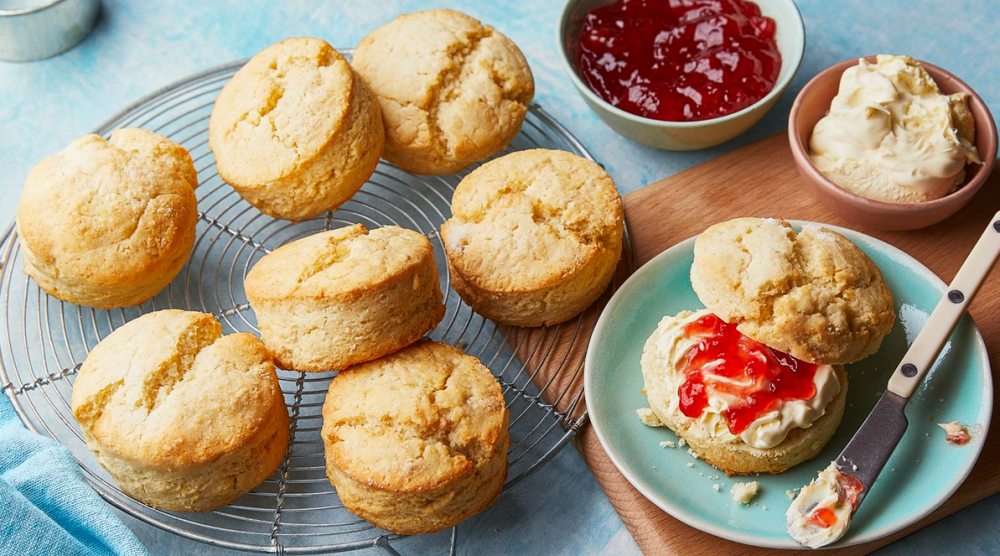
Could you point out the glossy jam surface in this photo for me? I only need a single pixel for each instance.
(679, 60)
(725, 361)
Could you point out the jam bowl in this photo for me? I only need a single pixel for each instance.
(779, 20)
(813, 102)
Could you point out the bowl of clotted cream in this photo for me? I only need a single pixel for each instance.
(892, 142)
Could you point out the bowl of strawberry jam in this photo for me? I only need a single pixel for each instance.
(681, 75)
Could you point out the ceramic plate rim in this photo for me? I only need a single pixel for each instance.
(712, 528)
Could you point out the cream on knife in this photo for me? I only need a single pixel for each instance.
(821, 513)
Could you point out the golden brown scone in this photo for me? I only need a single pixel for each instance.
(296, 132)
(779, 438)
(416, 441)
(452, 90)
(109, 223)
(182, 417)
(345, 296)
(814, 294)
(535, 236)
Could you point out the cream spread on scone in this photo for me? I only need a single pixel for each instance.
(891, 135)
(667, 368)
(822, 511)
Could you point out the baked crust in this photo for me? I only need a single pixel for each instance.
(109, 224)
(182, 417)
(337, 298)
(815, 294)
(296, 131)
(534, 238)
(452, 90)
(416, 441)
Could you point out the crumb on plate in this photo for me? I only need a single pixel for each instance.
(744, 492)
(648, 418)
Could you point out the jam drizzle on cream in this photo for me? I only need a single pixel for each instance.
(848, 490)
(724, 361)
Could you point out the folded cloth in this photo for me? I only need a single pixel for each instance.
(46, 506)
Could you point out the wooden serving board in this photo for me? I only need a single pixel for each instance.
(761, 180)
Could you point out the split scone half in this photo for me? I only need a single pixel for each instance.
(756, 382)
(182, 417)
(349, 295)
(416, 441)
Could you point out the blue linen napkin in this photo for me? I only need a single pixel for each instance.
(46, 506)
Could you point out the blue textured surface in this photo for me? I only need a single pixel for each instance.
(141, 46)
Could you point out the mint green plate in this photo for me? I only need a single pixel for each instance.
(922, 473)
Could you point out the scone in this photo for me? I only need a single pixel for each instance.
(296, 132)
(109, 223)
(416, 441)
(182, 417)
(755, 383)
(741, 406)
(452, 90)
(345, 296)
(813, 294)
(535, 237)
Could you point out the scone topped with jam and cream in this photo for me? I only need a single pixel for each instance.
(756, 383)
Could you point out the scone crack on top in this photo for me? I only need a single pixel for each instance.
(813, 294)
(453, 91)
(525, 196)
(277, 75)
(448, 85)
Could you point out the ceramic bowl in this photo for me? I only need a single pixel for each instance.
(813, 103)
(685, 136)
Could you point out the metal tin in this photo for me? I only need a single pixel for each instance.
(46, 29)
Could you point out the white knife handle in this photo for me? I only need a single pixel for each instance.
(934, 334)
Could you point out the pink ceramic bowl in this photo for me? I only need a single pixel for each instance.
(813, 103)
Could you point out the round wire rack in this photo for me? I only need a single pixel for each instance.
(295, 511)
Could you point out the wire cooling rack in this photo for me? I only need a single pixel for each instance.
(295, 511)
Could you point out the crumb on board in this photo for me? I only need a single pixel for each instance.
(790, 494)
(692, 453)
(690, 464)
(681, 443)
(716, 487)
(668, 444)
(743, 493)
(648, 418)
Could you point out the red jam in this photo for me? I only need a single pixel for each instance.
(849, 488)
(765, 377)
(961, 438)
(679, 60)
(823, 517)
